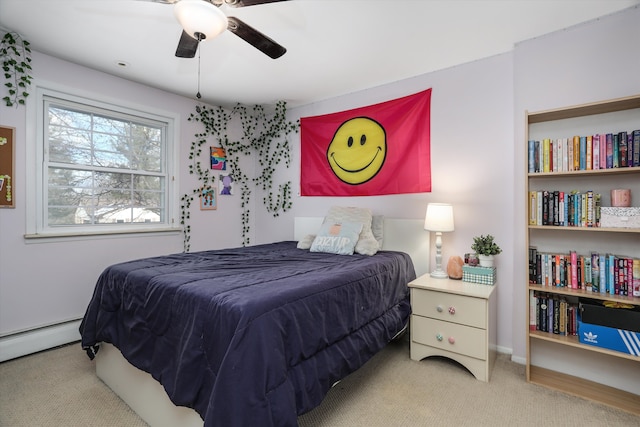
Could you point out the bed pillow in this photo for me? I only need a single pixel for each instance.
(377, 228)
(306, 241)
(337, 238)
(340, 214)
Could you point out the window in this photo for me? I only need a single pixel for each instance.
(104, 168)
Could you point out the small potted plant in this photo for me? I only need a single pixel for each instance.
(485, 248)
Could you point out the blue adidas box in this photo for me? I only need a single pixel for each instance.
(610, 338)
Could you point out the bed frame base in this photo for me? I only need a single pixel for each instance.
(144, 395)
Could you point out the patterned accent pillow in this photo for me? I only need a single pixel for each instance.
(337, 238)
(340, 214)
(306, 241)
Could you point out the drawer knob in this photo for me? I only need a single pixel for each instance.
(439, 337)
(452, 340)
(452, 310)
(439, 309)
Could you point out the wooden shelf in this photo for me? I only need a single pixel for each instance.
(579, 229)
(582, 293)
(611, 106)
(575, 174)
(574, 341)
(584, 388)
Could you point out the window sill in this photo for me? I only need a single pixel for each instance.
(99, 234)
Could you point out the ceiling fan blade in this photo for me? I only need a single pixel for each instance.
(243, 3)
(187, 46)
(255, 38)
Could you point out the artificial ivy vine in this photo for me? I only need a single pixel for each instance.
(16, 66)
(262, 135)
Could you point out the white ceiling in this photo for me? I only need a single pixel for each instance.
(334, 47)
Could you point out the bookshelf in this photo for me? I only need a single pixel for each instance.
(566, 375)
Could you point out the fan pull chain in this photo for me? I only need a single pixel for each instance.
(198, 94)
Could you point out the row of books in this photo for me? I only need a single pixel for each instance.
(553, 313)
(599, 273)
(591, 152)
(564, 208)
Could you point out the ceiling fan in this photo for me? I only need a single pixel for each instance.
(202, 19)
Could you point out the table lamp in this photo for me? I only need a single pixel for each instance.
(439, 218)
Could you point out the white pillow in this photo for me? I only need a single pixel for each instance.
(340, 214)
(377, 228)
(306, 241)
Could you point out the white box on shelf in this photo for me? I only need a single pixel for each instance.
(612, 217)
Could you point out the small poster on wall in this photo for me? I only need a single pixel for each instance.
(218, 159)
(7, 157)
(208, 200)
(225, 185)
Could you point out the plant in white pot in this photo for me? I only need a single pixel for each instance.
(485, 248)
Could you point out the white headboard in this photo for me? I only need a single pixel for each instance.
(406, 235)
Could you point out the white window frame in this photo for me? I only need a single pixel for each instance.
(36, 184)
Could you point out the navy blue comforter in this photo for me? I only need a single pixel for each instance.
(250, 336)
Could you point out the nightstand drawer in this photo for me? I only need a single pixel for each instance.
(449, 307)
(452, 337)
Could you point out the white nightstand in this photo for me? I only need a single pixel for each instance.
(454, 319)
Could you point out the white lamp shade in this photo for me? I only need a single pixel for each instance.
(197, 16)
(439, 217)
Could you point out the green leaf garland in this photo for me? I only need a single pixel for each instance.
(263, 136)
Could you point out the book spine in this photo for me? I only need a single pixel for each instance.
(562, 209)
(533, 304)
(590, 209)
(563, 316)
(636, 147)
(595, 272)
(616, 150)
(603, 151)
(569, 143)
(636, 277)
(531, 155)
(588, 279)
(603, 274)
(574, 269)
(589, 153)
(546, 153)
(622, 149)
(556, 208)
(533, 207)
(611, 261)
(596, 151)
(609, 144)
(532, 264)
(576, 153)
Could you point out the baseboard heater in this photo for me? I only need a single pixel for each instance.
(35, 340)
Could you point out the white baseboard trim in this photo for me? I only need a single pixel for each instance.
(29, 342)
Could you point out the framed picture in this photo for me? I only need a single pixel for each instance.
(218, 159)
(225, 184)
(7, 158)
(208, 200)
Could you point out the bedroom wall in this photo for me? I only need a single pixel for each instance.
(471, 166)
(477, 126)
(49, 281)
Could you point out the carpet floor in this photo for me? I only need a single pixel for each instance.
(59, 387)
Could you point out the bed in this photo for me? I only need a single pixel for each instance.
(247, 336)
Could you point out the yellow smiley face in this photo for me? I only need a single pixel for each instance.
(358, 150)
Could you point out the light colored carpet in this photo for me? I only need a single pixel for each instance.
(59, 388)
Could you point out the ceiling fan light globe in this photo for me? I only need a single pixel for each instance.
(198, 16)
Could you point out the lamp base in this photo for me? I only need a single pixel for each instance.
(439, 274)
